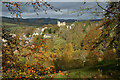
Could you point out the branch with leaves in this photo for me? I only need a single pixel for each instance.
(15, 8)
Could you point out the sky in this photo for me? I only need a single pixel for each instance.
(70, 10)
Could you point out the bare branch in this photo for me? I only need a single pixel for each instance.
(104, 8)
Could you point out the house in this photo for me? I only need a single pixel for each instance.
(60, 24)
(16, 52)
(69, 27)
(30, 36)
(23, 36)
(46, 36)
(5, 44)
(43, 29)
(20, 38)
(27, 39)
(35, 34)
(40, 33)
(13, 35)
(72, 25)
(26, 42)
(4, 40)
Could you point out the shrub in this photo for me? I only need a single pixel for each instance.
(72, 64)
(91, 60)
(109, 55)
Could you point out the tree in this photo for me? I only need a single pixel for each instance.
(107, 31)
(67, 57)
(67, 54)
(113, 15)
(9, 60)
(111, 26)
(59, 45)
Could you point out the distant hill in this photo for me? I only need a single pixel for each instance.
(40, 21)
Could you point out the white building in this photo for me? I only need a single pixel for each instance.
(40, 33)
(72, 25)
(30, 36)
(69, 27)
(13, 35)
(26, 42)
(61, 24)
(3, 40)
(5, 44)
(23, 35)
(35, 34)
(43, 29)
(47, 36)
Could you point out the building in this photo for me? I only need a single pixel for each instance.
(3, 40)
(13, 35)
(47, 36)
(35, 34)
(69, 27)
(61, 24)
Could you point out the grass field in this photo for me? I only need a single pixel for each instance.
(108, 69)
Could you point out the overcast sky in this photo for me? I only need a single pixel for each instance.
(66, 7)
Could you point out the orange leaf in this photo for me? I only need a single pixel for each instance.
(52, 66)
(26, 77)
(18, 5)
(59, 71)
(16, 14)
(6, 5)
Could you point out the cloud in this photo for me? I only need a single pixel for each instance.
(66, 8)
(60, 0)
